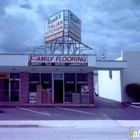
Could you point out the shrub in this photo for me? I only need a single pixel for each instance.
(133, 90)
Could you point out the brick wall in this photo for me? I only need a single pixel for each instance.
(24, 87)
(90, 84)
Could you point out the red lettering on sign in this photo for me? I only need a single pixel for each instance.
(44, 58)
(53, 37)
(30, 59)
(38, 59)
(58, 59)
(64, 59)
(71, 59)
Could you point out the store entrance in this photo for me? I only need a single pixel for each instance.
(14, 91)
(58, 91)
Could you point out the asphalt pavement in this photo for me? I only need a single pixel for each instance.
(117, 110)
(108, 120)
(107, 111)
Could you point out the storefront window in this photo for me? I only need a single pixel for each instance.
(14, 90)
(69, 79)
(15, 75)
(4, 90)
(46, 80)
(82, 79)
(34, 80)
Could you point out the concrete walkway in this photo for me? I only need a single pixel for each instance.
(72, 123)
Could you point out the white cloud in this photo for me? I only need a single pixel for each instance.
(108, 26)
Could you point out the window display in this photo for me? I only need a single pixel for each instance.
(34, 80)
(69, 86)
(4, 90)
(46, 80)
(82, 80)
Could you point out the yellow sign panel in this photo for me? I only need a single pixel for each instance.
(4, 75)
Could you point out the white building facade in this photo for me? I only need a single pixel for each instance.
(45, 79)
(111, 83)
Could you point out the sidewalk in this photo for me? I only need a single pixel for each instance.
(72, 123)
(46, 105)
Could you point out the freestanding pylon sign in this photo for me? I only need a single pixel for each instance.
(64, 23)
(54, 27)
(63, 34)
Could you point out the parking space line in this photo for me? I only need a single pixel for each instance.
(133, 106)
(76, 111)
(34, 111)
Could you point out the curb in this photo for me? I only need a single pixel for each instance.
(22, 123)
(49, 105)
(72, 123)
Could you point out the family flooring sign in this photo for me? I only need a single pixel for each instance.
(58, 60)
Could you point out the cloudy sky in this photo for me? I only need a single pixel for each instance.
(108, 26)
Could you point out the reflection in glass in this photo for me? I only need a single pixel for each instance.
(15, 75)
(4, 90)
(4, 96)
(14, 85)
(14, 93)
(14, 96)
(46, 80)
(34, 79)
(82, 79)
(69, 86)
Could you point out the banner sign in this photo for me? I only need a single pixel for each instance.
(57, 60)
(54, 27)
(4, 75)
(73, 36)
(74, 25)
(53, 37)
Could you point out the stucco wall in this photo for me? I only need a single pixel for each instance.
(110, 88)
(115, 88)
(132, 72)
(95, 78)
(13, 60)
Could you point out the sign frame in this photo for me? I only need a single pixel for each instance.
(54, 27)
(74, 26)
(40, 60)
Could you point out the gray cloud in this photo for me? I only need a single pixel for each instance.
(108, 26)
(3, 5)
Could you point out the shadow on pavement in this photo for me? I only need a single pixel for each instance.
(117, 110)
(106, 103)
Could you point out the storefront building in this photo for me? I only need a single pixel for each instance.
(120, 78)
(64, 74)
(40, 79)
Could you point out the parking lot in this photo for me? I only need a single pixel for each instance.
(104, 110)
(50, 114)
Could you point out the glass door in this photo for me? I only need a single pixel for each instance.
(14, 89)
(58, 91)
(58, 87)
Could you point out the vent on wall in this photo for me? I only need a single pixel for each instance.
(110, 74)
